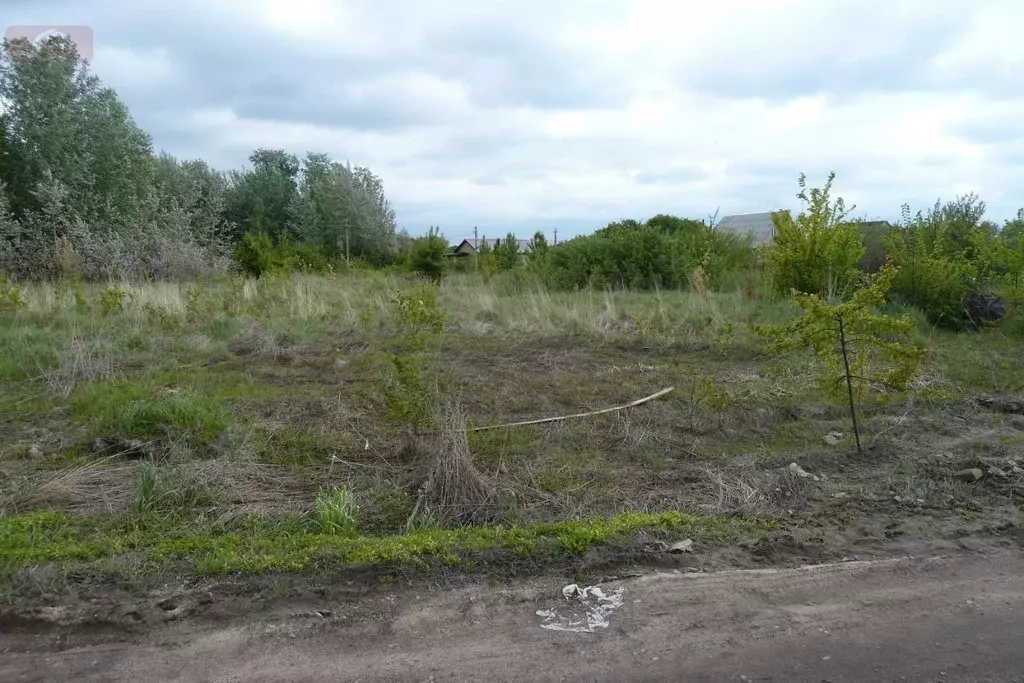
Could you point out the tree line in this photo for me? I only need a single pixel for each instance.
(85, 195)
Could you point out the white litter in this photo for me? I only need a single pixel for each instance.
(587, 608)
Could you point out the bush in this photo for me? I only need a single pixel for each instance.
(429, 256)
(255, 254)
(944, 260)
(662, 253)
(112, 300)
(817, 252)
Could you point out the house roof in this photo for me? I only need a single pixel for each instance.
(758, 224)
(524, 245)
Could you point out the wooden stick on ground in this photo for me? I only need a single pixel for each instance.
(544, 420)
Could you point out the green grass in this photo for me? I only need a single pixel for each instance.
(335, 512)
(259, 547)
(139, 410)
(277, 379)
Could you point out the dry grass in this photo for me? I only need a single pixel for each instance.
(752, 492)
(79, 361)
(455, 492)
(102, 486)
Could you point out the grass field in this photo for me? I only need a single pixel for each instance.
(163, 430)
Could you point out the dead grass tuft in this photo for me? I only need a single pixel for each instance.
(455, 492)
(78, 362)
(90, 489)
(756, 493)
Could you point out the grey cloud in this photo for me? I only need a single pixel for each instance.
(671, 176)
(859, 48)
(989, 130)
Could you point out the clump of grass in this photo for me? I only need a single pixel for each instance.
(384, 506)
(79, 361)
(455, 491)
(136, 411)
(178, 491)
(335, 512)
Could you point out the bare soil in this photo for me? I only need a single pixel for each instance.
(956, 615)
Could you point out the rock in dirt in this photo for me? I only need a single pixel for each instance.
(996, 472)
(682, 546)
(801, 472)
(833, 438)
(970, 474)
(35, 451)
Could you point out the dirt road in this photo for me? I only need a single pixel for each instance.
(953, 618)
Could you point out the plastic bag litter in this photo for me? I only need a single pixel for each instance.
(587, 608)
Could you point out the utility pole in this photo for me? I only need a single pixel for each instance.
(476, 246)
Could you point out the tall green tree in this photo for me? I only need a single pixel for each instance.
(506, 252)
(262, 198)
(59, 122)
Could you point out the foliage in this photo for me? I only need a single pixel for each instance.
(255, 254)
(84, 195)
(861, 350)
(815, 253)
(662, 253)
(335, 512)
(343, 209)
(943, 256)
(112, 300)
(487, 260)
(506, 253)
(429, 256)
(411, 389)
(11, 295)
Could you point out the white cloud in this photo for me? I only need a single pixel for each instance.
(516, 114)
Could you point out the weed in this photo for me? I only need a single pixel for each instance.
(335, 512)
(11, 295)
(112, 300)
(177, 491)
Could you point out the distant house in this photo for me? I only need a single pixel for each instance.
(757, 224)
(471, 246)
(761, 227)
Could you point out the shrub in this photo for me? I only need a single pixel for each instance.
(662, 253)
(429, 256)
(11, 295)
(861, 349)
(112, 300)
(411, 390)
(254, 254)
(815, 253)
(506, 252)
(944, 260)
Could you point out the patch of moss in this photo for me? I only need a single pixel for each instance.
(256, 548)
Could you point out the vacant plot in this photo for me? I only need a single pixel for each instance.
(247, 428)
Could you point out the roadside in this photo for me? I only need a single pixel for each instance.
(955, 617)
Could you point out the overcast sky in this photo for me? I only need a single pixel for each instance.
(545, 113)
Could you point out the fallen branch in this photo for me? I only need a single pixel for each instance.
(560, 418)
